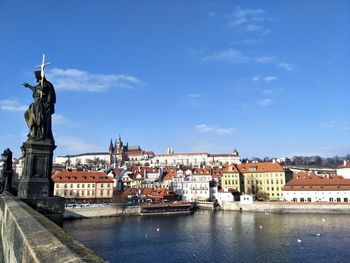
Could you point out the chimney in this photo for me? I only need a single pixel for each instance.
(345, 162)
(274, 160)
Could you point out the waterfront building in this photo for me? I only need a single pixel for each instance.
(83, 186)
(268, 177)
(232, 178)
(196, 185)
(247, 199)
(309, 187)
(221, 195)
(344, 170)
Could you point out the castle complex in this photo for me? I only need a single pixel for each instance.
(121, 154)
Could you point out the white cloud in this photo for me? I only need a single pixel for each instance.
(339, 124)
(265, 102)
(256, 78)
(270, 78)
(204, 128)
(59, 119)
(286, 66)
(266, 78)
(12, 105)
(78, 80)
(74, 145)
(228, 55)
(266, 59)
(249, 20)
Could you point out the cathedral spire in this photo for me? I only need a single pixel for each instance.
(111, 148)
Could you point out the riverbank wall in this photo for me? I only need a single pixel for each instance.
(107, 211)
(28, 236)
(288, 207)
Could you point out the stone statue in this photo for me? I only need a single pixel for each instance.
(7, 171)
(38, 116)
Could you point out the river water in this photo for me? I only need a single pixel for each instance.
(227, 236)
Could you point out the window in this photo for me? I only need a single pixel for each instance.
(57, 185)
(346, 199)
(101, 193)
(71, 185)
(302, 200)
(82, 192)
(338, 199)
(65, 193)
(295, 199)
(78, 185)
(108, 192)
(331, 199)
(70, 192)
(309, 199)
(108, 185)
(65, 185)
(101, 185)
(88, 192)
(83, 185)
(88, 186)
(57, 193)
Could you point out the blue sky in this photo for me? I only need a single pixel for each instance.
(269, 78)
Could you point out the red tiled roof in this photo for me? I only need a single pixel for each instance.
(201, 171)
(230, 169)
(260, 167)
(308, 181)
(80, 177)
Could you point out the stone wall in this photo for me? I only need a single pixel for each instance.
(205, 205)
(109, 211)
(28, 236)
(289, 207)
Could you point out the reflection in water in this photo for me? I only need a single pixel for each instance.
(217, 237)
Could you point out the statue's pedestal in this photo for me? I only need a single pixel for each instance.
(36, 186)
(36, 180)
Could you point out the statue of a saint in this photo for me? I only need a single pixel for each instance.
(38, 115)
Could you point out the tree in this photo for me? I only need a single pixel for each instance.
(262, 196)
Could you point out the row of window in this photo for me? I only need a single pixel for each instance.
(331, 199)
(231, 175)
(230, 182)
(274, 175)
(71, 193)
(266, 181)
(82, 185)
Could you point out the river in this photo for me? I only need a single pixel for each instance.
(227, 236)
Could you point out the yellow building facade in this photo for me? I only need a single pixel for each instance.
(268, 177)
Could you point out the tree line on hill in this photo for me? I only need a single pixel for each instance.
(317, 161)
